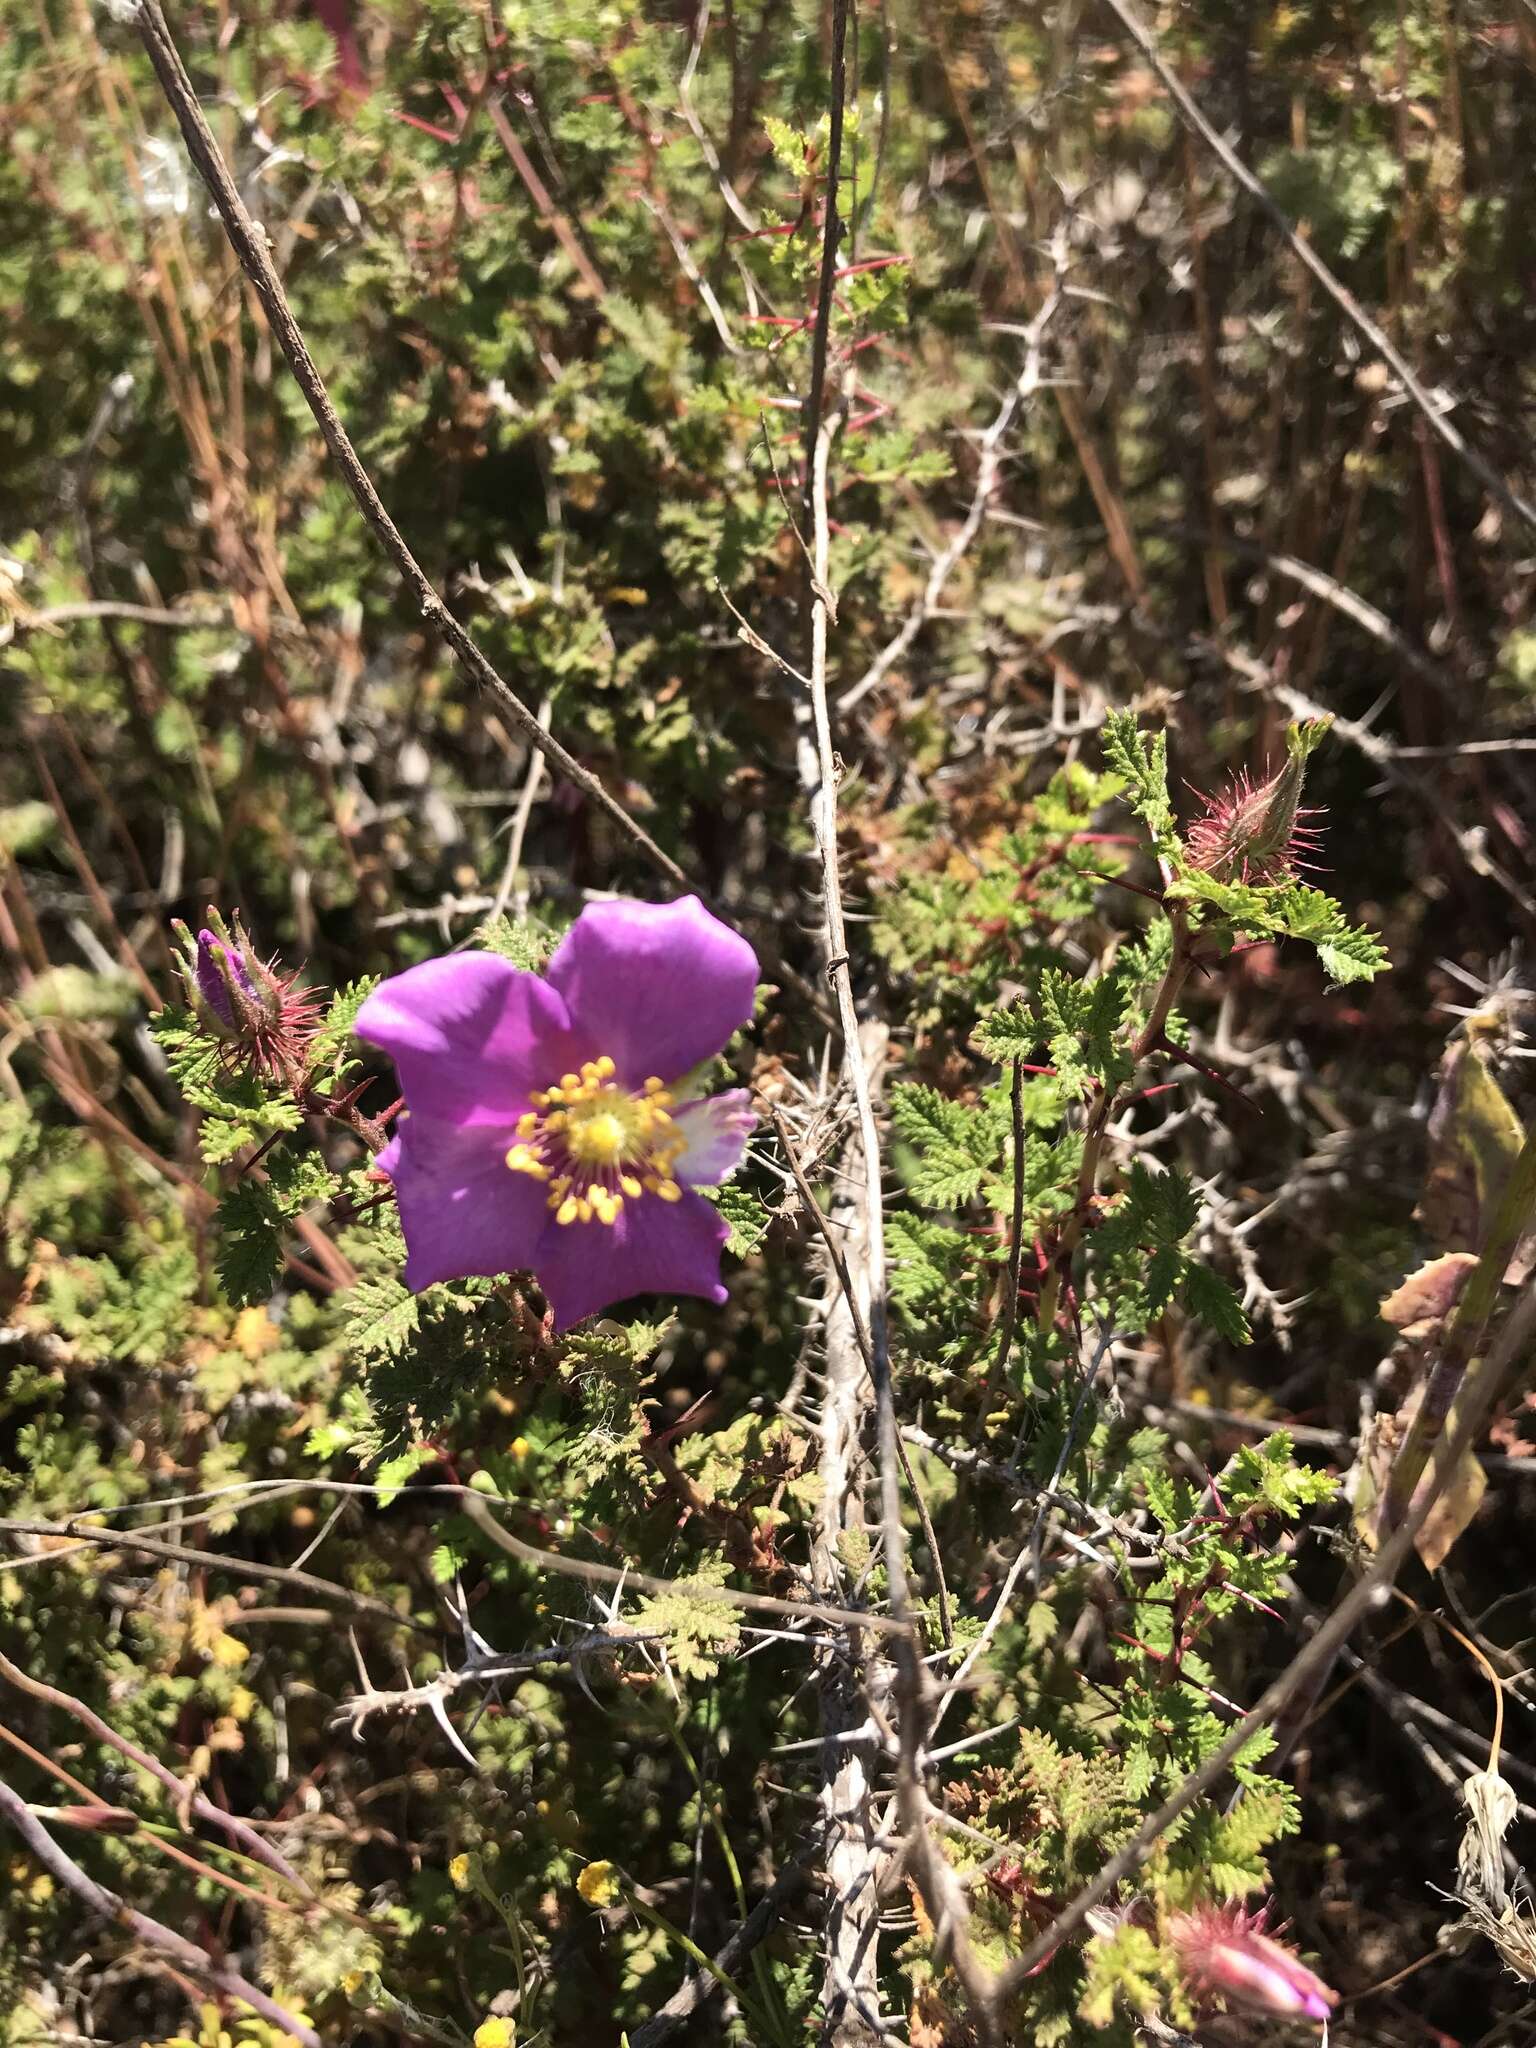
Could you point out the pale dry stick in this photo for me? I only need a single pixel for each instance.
(57, 615)
(211, 1560)
(525, 805)
(845, 1417)
(944, 563)
(434, 1696)
(474, 1505)
(1330, 591)
(861, 1337)
(250, 246)
(1374, 1585)
(116, 1912)
(851, 1670)
(1433, 413)
(692, 272)
(1454, 751)
(707, 150)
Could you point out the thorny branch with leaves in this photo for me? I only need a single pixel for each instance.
(858, 1646)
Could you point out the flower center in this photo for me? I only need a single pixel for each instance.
(597, 1144)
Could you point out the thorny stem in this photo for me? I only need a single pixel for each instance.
(1102, 1115)
(839, 1264)
(845, 2022)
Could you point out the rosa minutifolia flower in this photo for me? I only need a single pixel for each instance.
(547, 1126)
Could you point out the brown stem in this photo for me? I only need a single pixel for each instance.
(238, 1832)
(116, 1912)
(236, 1567)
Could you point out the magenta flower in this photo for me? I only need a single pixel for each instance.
(549, 1128)
(1225, 1951)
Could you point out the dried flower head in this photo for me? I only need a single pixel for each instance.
(549, 1126)
(1225, 1953)
(1259, 832)
(259, 1013)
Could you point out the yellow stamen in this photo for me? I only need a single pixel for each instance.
(597, 1144)
(523, 1159)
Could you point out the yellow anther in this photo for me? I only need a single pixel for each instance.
(527, 1125)
(629, 1184)
(568, 1210)
(539, 1098)
(669, 1191)
(523, 1159)
(654, 1084)
(606, 1068)
(570, 1084)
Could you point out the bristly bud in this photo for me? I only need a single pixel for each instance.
(1259, 832)
(1226, 1953)
(259, 1013)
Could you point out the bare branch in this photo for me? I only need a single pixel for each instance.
(212, 1560)
(1434, 412)
(116, 1912)
(250, 246)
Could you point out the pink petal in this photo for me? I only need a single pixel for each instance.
(471, 1036)
(717, 1130)
(462, 1209)
(655, 1247)
(657, 986)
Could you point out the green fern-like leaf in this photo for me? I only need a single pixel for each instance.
(954, 1145)
(250, 1253)
(382, 1317)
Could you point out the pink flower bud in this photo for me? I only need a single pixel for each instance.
(264, 1020)
(223, 983)
(1260, 833)
(1225, 1953)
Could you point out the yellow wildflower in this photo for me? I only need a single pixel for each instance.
(598, 1884)
(461, 1873)
(496, 2034)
